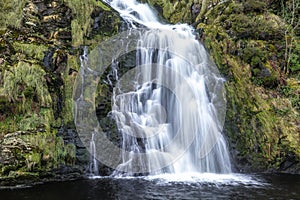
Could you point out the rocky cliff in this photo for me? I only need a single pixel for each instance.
(255, 45)
(40, 44)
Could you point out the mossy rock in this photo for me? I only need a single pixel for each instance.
(11, 13)
(251, 59)
(254, 6)
(26, 81)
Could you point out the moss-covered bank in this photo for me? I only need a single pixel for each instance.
(256, 47)
(40, 44)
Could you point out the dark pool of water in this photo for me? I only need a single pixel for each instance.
(270, 186)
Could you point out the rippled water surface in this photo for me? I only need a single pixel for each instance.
(183, 186)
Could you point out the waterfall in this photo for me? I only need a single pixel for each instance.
(93, 168)
(93, 164)
(171, 122)
(169, 108)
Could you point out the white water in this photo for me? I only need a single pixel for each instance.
(93, 166)
(215, 179)
(172, 121)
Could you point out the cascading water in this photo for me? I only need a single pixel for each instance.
(171, 121)
(93, 166)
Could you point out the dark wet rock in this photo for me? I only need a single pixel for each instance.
(52, 20)
(48, 60)
(289, 164)
(105, 23)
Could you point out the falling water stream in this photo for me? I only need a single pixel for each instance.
(171, 122)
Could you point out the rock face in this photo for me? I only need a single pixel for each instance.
(255, 47)
(39, 60)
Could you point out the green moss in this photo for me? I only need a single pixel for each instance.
(294, 63)
(36, 152)
(11, 12)
(81, 24)
(33, 160)
(33, 120)
(292, 90)
(20, 175)
(259, 124)
(174, 11)
(67, 112)
(70, 155)
(204, 6)
(29, 122)
(27, 102)
(49, 151)
(240, 46)
(9, 124)
(254, 6)
(24, 77)
(34, 51)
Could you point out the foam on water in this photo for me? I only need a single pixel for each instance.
(197, 179)
(207, 178)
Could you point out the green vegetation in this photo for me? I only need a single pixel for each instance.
(290, 13)
(11, 13)
(68, 92)
(24, 83)
(174, 11)
(36, 153)
(33, 51)
(40, 43)
(81, 25)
